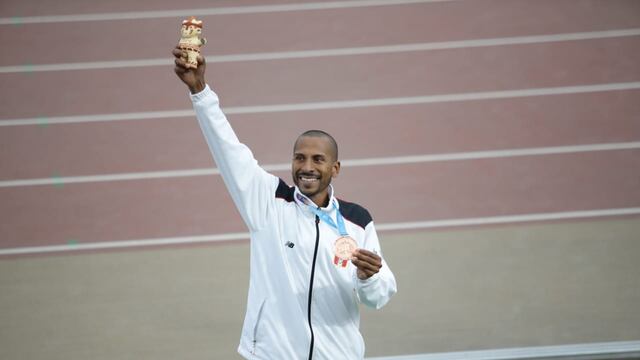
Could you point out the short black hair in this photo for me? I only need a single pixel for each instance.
(324, 134)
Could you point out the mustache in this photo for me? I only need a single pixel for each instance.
(304, 173)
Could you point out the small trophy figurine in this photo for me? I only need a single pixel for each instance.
(190, 40)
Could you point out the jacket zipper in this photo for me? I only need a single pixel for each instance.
(313, 269)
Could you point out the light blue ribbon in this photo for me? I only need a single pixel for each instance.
(329, 221)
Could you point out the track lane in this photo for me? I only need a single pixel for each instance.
(174, 144)
(418, 192)
(598, 215)
(66, 7)
(339, 78)
(318, 29)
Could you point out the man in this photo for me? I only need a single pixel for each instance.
(305, 281)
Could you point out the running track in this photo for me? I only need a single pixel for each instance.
(446, 111)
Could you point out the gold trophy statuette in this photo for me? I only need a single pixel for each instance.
(190, 40)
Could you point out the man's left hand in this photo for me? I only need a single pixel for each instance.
(367, 262)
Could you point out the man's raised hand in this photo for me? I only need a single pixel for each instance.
(193, 78)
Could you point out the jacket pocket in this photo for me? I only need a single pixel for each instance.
(256, 325)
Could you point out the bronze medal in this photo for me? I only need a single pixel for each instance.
(343, 250)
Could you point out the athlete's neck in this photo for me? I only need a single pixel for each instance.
(321, 199)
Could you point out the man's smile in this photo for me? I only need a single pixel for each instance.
(308, 179)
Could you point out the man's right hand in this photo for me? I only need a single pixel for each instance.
(193, 78)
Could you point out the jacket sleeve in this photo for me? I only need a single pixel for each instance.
(250, 186)
(377, 290)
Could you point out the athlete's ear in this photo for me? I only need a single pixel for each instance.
(335, 169)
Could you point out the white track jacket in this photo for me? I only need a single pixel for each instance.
(300, 304)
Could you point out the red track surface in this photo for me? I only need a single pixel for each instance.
(574, 119)
(329, 78)
(139, 209)
(320, 29)
(457, 189)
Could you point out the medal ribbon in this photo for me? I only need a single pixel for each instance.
(338, 225)
(329, 221)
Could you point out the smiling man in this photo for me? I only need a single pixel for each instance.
(314, 258)
(315, 163)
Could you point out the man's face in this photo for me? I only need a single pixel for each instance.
(314, 165)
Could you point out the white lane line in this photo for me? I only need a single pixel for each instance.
(482, 95)
(138, 15)
(515, 40)
(605, 350)
(126, 243)
(396, 160)
(507, 219)
(381, 227)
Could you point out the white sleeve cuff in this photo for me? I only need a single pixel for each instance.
(197, 97)
(369, 280)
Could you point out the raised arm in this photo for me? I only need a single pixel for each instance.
(251, 187)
